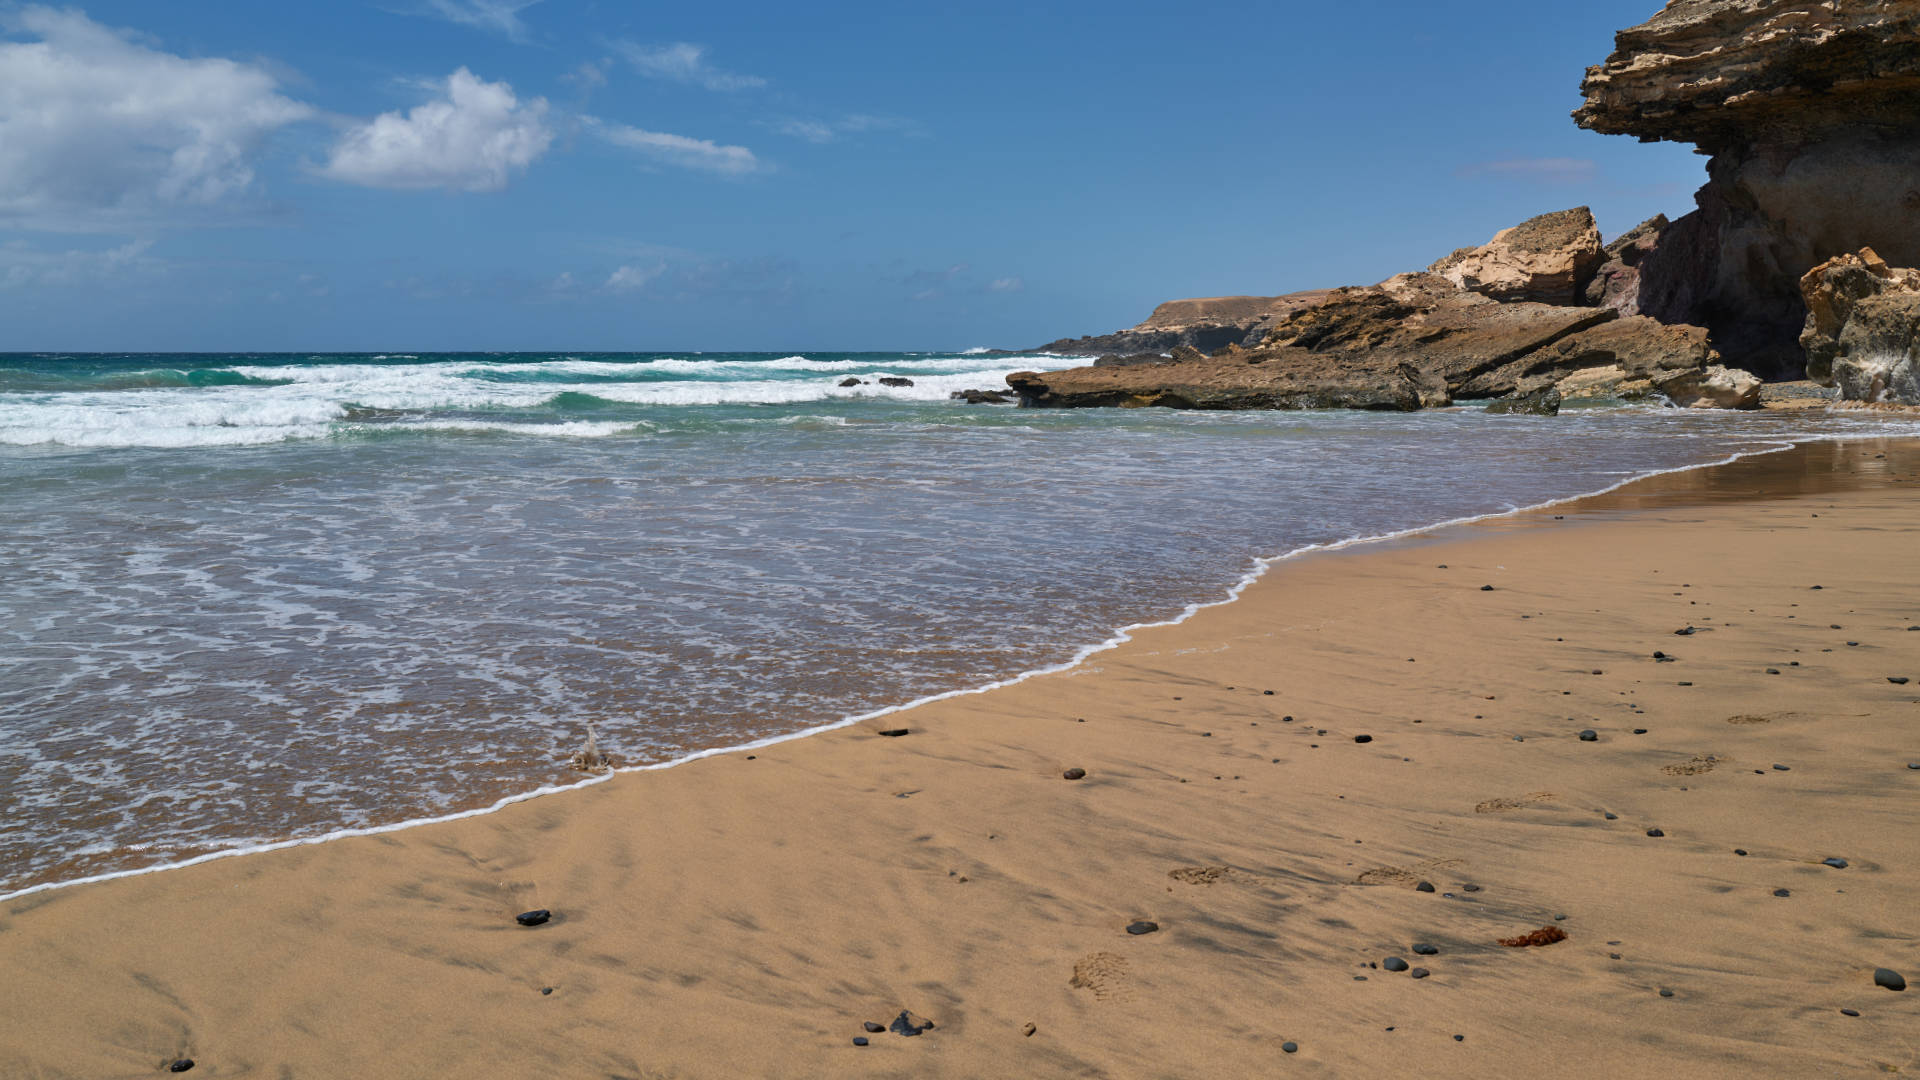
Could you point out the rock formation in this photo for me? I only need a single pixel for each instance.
(1862, 331)
(1547, 259)
(1808, 109)
(1208, 324)
(1616, 284)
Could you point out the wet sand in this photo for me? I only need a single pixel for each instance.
(742, 916)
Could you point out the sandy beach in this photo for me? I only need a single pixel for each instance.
(1371, 749)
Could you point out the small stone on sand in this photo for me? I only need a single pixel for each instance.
(1029, 1029)
(1425, 886)
(181, 1065)
(1419, 973)
(1781, 768)
(1363, 738)
(1289, 1047)
(1889, 978)
(1589, 735)
(894, 733)
(1781, 892)
(1470, 888)
(1664, 992)
(1486, 588)
(533, 918)
(909, 1024)
(873, 1028)
(1142, 927)
(859, 1040)
(1074, 774)
(1426, 950)
(545, 990)
(1836, 863)
(1849, 1012)
(1394, 963)
(1656, 832)
(1897, 680)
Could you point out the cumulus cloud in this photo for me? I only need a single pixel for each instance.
(97, 127)
(1554, 170)
(498, 16)
(472, 138)
(680, 150)
(684, 63)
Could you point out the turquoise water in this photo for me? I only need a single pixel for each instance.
(247, 598)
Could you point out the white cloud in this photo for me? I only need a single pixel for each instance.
(680, 150)
(22, 266)
(633, 278)
(471, 139)
(681, 62)
(499, 16)
(96, 128)
(826, 131)
(1006, 284)
(1555, 170)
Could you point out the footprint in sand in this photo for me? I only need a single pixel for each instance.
(1749, 718)
(1104, 973)
(1407, 877)
(1199, 875)
(1693, 766)
(1494, 806)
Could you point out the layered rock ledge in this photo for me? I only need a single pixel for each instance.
(1810, 111)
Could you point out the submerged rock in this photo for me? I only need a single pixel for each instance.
(1539, 403)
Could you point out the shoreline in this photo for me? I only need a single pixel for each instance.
(744, 917)
(1119, 636)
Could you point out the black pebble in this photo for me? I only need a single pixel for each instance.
(1459, 1038)
(1664, 992)
(533, 918)
(873, 1028)
(1658, 655)
(1419, 973)
(1426, 950)
(1849, 1012)
(1289, 1047)
(1781, 768)
(1897, 680)
(1611, 816)
(1913, 765)
(1142, 927)
(859, 1040)
(1486, 588)
(1773, 671)
(904, 1024)
(1889, 978)
(1781, 892)
(1470, 888)
(894, 733)
(1739, 851)
(1589, 735)
(1655, 832)
(1425, 886)
(1837, 864)
(181, 1065)
(1394, 963)
(1269, 693)
(1074, 774)
(1363, 738)
(545, 990)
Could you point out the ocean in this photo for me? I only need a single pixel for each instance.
(252, 599)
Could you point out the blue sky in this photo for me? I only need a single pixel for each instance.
(582, 174)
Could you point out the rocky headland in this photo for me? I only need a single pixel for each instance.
(1810, 115)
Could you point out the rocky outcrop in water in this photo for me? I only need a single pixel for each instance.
(1207, 324)
(1546, 259)
(1810, 111)
(1862, 332)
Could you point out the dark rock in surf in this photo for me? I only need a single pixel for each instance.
(894, 380)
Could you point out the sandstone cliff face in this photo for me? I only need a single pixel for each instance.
(1546, 259)
(1809, 109)
(1863, 328)
(1206, 324)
